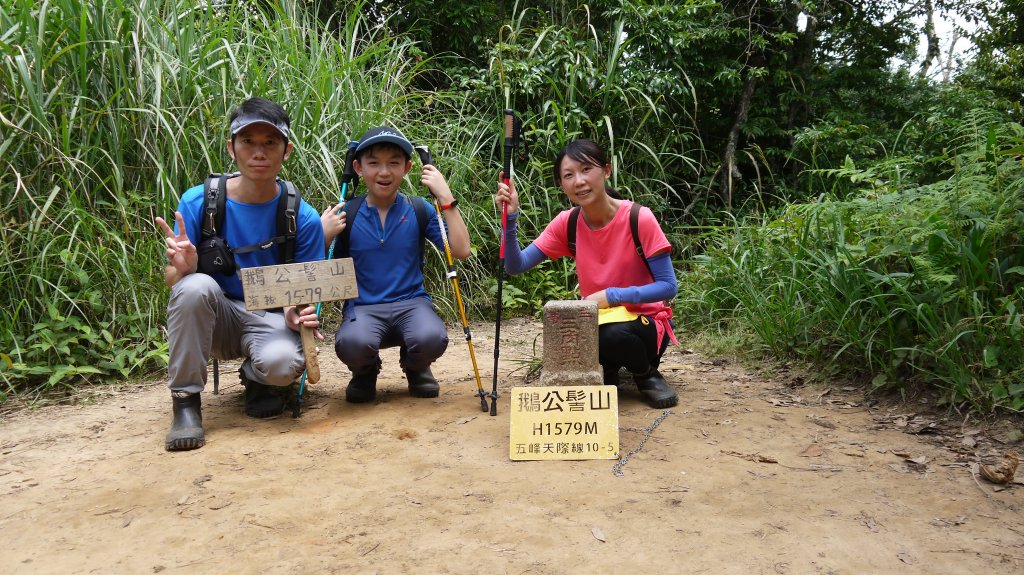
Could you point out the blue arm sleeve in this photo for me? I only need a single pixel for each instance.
(662, 288)
(518, 261)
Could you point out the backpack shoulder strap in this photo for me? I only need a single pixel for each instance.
(342, 245)
(570, 231)
(341, 242)
(634, 228)
(288, 219)
(214, 201)
(419, 205)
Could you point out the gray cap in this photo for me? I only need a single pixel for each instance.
(384, 135)
(246, 120)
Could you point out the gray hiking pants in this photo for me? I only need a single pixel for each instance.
(412, 324)
(203, 322)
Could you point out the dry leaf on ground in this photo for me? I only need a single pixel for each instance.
(1003, 472)
(812, 450)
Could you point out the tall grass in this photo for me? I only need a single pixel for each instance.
(899, 283)
(109, 110)
(905, 270)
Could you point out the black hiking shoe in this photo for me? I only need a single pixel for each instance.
(656, 390)
(263, 401)
(422, 383)
(187, 427)
(362, 388)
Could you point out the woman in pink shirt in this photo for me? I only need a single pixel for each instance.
(632, 296)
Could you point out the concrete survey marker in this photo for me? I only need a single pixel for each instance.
(572, 414)
(300, 284)
(570, 344)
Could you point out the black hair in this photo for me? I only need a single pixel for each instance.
(585, 152)
(263, 108)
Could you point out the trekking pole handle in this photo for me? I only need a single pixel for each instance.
(424, 153)
(511, 140)
(349, 172)
(513, 128)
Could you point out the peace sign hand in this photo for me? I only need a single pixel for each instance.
(181, 252)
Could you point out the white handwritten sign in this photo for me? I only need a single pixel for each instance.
(300, 284)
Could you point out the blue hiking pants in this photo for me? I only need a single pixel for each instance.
(412, 324)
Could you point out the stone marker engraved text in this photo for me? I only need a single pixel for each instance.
(570, 344)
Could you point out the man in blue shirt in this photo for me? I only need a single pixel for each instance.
(205, 314)
(393, 307)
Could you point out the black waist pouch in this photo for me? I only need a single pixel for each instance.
(215, 256)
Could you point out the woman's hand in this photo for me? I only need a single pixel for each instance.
(507, 194)
(601, 298)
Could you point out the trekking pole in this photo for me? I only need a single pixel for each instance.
(513, 127)
(427, 160)
(348, 174)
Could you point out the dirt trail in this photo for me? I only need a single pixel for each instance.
(749, 474)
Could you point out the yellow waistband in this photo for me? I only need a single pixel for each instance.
(615, 315)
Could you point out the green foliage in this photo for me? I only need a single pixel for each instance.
(907, 119)
(572, 73)
(900, 261)
(531, 290)
(112, 109)
(898, 283)
(997, 71)
(64, 352)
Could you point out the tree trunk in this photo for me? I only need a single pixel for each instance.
(729, 170)
(933, 40)
(802, 54)
(948, 70)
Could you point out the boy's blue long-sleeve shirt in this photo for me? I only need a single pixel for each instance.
(387, 257)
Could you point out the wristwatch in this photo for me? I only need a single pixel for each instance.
(453, 204)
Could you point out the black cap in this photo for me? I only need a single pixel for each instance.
(384, 135)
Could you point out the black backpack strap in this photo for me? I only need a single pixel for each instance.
(634, 228)
(341, 242)
(570, 232)
(214, 200)
(288, 219)
(342, 245)
(419, 205)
